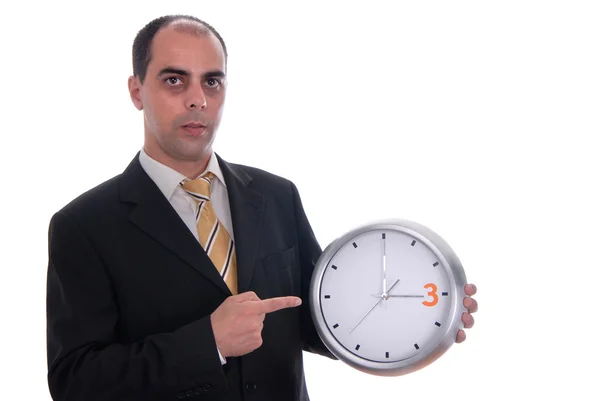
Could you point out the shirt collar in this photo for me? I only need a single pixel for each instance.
(168, 179)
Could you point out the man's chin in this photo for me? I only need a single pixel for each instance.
(191, 152)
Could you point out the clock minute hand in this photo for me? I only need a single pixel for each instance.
(371, 310)
(406, 296)
(384, 294)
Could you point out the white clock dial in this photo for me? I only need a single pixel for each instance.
(376, 323)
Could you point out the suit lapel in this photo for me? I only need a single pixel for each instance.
(247, 209)
(156, 217)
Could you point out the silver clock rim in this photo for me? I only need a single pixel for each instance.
(427, 353)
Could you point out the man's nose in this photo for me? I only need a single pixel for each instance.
(195, 98)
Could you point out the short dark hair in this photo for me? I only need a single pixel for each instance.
(141, 45)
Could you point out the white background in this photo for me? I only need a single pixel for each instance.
(478, 119)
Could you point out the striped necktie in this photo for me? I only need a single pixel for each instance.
(211, 233)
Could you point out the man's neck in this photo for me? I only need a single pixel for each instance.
(190, 168)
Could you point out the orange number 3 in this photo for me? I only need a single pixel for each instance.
(432, 293)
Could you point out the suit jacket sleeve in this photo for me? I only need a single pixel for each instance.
(309, 252)
(85, 360)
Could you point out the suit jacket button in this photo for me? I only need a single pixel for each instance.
(250, 386)
(206, 387)
(189, 393)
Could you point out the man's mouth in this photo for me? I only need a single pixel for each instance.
(194, 129)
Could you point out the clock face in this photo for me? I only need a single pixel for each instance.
(391, 324)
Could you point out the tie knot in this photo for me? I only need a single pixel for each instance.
(200, 187)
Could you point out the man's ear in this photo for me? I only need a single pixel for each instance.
(135, 92)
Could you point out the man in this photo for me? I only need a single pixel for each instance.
(167, 283)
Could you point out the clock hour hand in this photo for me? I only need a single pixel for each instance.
(371, 310)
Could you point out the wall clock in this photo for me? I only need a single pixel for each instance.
(386, 297)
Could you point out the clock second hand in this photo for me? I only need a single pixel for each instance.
(382, 298)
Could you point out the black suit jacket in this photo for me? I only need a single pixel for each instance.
(130, 292)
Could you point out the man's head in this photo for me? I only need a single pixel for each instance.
(179, 67)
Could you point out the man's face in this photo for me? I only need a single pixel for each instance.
(184, 83)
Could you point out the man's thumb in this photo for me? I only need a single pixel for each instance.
(246, 297)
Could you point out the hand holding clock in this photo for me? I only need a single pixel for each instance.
(467, 318)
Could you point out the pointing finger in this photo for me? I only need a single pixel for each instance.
(275, 304)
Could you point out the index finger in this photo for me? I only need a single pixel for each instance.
(275, 304)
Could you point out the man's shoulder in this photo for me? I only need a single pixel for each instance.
(97, 198)
(261, 174)
(263, 180)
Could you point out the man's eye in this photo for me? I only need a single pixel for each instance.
(213, 82)
(172, 80)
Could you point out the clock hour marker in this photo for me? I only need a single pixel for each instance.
(334, 267)
(335, 326)
(445, 294)
(413, 243)
(354, 243)
(383, 235)
(357, 347)
(387, 354)
(437, 324)
(417, 346)
(327, 296)
(436, 263)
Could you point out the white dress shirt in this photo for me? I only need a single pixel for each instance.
(167, 180)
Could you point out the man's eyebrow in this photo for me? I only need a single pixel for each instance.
(179, 71)
(215, 74)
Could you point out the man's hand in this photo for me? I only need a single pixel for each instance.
(467, 318)
(237, 323)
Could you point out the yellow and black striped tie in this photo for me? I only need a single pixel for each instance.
(212, 234)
